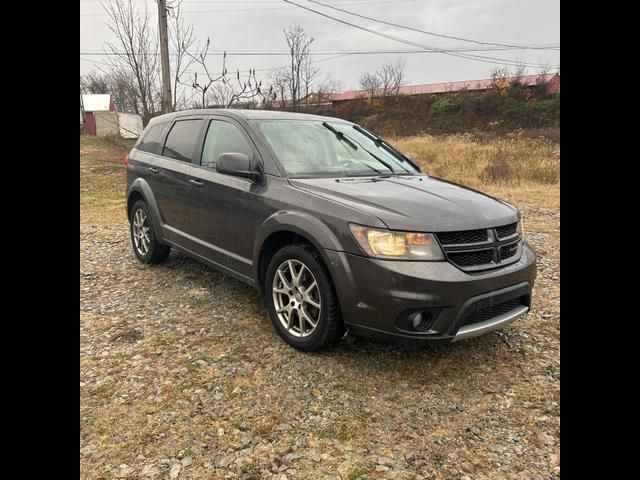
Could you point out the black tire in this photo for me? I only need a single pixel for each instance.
(155, 252)
(329, 328)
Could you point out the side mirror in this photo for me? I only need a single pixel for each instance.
(238, 165)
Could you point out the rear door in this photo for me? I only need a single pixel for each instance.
(223, 217)
(171, 177)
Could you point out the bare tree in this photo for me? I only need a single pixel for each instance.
(94, 82)
(326, 88)
(181, 40)
(203, 85)
(516, 75)
(542, 83)
(370, 83)
(309, 74)
(299, 44)
(280, 83)
(109, 82)
(233, 90)
(249, 89)
(133, 56)
(386, 81)
(121, 92)
(220, 95)
(392, 77)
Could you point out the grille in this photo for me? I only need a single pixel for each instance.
(467, 259)
(467, 236)
(507, 230)
(474, 250)
(508, 251)
(486, 313)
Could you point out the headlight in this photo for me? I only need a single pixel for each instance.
(397, 245)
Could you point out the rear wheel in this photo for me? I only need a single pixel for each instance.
(301, 299)
(143, 237)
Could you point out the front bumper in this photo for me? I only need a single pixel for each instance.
(376, 296)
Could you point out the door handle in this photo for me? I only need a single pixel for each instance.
(153, 170)
(196, 183)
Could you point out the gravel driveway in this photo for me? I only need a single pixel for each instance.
(183, 376)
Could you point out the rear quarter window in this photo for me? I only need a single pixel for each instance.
(151, 141)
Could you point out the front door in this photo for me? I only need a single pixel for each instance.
(223, 218)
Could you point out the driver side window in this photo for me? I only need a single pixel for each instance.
(223, 137)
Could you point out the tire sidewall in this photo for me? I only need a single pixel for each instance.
(303, 255)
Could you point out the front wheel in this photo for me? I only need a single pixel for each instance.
(143, 237)
(301, 299)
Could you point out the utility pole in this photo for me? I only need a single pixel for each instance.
(164, 56)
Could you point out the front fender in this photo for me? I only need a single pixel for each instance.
(304, 224)
(142, 187)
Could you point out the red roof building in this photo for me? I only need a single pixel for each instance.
(552, 80)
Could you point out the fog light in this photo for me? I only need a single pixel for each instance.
(421, 321)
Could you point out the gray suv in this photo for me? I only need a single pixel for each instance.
(340, 231)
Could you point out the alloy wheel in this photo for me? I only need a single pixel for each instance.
(296, 297)
(141, 232)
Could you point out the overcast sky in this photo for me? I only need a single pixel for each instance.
(256, 25)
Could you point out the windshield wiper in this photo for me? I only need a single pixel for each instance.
(352, 141)
(340, 136)
(343, 138)
(381, 143)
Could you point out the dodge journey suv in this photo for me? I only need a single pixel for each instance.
(339, 230)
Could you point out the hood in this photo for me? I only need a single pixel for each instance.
(416, 202)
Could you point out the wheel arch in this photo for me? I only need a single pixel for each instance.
(290, 228)
(140, 190)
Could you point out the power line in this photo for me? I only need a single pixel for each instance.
(478, 42)
(321, 53)
(267, 2)
(98, 62)
(479, 58)
(254, 9)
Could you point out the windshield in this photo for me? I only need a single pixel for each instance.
(315, 148)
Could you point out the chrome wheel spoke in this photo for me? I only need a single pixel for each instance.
(304, 316)
(290, 320)
(286, 308)
(308, 289)
(292, 271)
(284, 280)
(312, 302)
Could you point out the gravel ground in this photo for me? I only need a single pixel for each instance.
(183, 376)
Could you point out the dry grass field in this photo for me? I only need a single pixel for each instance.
(182, 375)
(526, 171)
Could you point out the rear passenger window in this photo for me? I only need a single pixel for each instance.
(223, 137)
(181, 139)
(151, 142)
